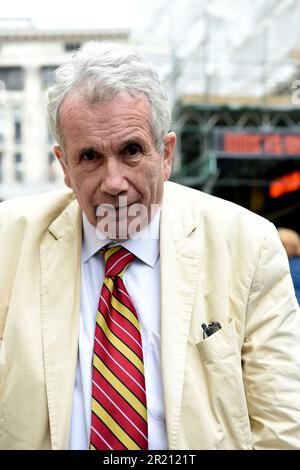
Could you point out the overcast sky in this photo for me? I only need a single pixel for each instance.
(75, 14)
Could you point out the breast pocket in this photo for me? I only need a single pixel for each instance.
(221, 343)
(221, 364)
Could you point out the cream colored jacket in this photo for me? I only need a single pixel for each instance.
(237, 389)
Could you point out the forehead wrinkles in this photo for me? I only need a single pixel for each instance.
(122, 115)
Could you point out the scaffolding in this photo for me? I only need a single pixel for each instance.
(196, 162)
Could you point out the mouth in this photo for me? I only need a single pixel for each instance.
(109, 212)
(118, 222)
(120, 208)
(112, 208)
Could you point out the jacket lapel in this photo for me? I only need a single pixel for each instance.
(180, 252)
(60, 300)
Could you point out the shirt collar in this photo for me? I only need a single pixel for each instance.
(145, 247)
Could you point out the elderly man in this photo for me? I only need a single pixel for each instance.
(137, 313)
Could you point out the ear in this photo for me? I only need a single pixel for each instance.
(170, 142)
(60, 155)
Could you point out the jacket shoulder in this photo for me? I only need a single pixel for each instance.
(34, 209)
(214, 209)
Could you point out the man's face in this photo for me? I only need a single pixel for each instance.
(110, 160)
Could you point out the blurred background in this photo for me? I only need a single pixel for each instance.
(231, 69)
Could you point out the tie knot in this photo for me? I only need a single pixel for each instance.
(117, 259)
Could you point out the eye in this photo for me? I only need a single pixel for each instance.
(133, 150)
(88, 156)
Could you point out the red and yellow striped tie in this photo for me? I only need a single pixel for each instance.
(119, 412)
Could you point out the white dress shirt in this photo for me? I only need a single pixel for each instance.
(142, 280)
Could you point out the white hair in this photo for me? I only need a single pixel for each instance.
(100, 71)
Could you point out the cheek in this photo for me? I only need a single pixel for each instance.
(152, 184)
(83, 189)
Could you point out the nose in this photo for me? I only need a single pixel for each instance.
(113, 181)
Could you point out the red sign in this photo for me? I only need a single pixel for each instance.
(252, 144)
(275, 144)
(285, 184)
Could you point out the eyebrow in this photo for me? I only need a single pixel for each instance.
(131, 140)
(122, 144)
(87, 149)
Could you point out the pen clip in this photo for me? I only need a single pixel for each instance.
(210, 329)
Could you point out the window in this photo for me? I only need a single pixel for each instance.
(47, 72)
(18, 167)
(72, 46)
(13, 77)
(17, 132)
(18, 126)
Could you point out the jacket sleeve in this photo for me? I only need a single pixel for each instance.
(271, 351)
